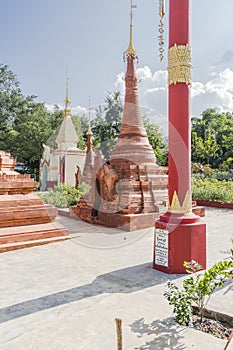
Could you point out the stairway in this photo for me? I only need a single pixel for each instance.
(12, 238)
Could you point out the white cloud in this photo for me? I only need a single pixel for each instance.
(215, 93)
(120, 83)
(79, 110)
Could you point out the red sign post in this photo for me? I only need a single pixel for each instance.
(179, 234)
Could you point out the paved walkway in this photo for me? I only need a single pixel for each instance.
(65, 296)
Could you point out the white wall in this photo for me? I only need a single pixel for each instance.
(71, 162)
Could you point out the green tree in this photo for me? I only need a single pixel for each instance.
(25, 124)
(212, 137)
(56, 118)
(210, 146)
(12, 102)
(157, 143)
(31, 130)
(106, 125)
(81, 127)
(113, 112)
(197, 148)
(204, 150)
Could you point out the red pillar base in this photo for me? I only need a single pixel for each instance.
(178, 238)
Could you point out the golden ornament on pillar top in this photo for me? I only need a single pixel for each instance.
(179, 64)
(176, 208)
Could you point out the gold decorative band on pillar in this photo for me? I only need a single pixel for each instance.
(176, 208)
(179, 64)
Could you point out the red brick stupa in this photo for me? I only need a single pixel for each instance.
(128, 190)
(24, 219)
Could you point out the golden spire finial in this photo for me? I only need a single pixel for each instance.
(89, 118)
(130, 51)
(67, 101)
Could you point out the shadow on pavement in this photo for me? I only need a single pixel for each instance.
(126, 280)
(165, 331)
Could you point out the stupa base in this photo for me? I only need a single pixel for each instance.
(24, 219)
(12, 238)
(125, 222)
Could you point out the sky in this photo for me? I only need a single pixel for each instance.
(42, 39)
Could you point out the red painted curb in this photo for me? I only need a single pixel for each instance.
(215, 204)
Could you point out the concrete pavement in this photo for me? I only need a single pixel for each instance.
(66, 295)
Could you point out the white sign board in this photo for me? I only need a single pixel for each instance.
(161, 246)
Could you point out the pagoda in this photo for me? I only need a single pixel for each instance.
(59, 166)
(129, 189)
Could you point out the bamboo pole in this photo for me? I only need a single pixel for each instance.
(229, 341)
(119, 333)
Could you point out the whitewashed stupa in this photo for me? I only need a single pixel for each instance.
(60, 165)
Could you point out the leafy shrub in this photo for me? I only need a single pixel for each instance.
(197, 289)
(205, 171)
(212, 190)
(182, 304)
(227, 164)
(63, 196)
(222, 175)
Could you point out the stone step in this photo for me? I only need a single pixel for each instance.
(29, 236)
(27, 244)
(19, 200)
(32, 228)
(27, 215)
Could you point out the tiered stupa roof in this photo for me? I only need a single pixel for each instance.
(67, 137)
(133, 144)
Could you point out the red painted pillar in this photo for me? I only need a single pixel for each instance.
(179, 234)
(179, 106)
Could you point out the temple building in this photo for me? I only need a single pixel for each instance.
(128, 190)
(61, 165)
